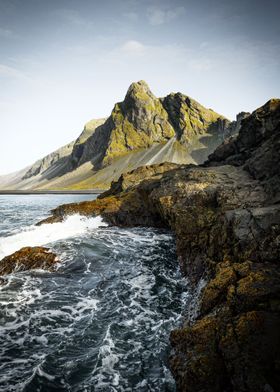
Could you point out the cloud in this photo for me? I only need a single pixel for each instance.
(239, 56)
(158, 16)
(10, 72)
(137, 54)
(133, 47)
(194, 60)
(205, 58)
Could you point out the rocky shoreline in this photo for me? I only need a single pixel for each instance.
(226, 218)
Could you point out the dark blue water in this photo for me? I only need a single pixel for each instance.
(101, 322)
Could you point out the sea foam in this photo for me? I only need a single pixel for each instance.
(72, 226)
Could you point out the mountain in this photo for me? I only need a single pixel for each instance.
(141, 130)
(43, 171)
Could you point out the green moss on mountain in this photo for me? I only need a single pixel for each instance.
(142, 120)
(88, 130)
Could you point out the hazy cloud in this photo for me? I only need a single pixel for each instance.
(11, 72)
(148, 53)
(133, 47)
(158, 16)
(144, 58)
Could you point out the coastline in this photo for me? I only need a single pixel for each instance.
(49, 192)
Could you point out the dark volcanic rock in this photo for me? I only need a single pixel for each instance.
(28, 258)
(129, 180)
(257, 148)
(234, 127)
(234, 345)
(226, 217)
(190, 119)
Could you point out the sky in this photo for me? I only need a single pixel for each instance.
(64, 62)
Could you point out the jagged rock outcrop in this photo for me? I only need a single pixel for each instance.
(257, 148)
(190, 119)
(226, 217)
(141, 130)
(80, 145)
(58, 157)
(234, 127)
(28, 258)
(130, 179)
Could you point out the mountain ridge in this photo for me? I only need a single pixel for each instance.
(141, 130)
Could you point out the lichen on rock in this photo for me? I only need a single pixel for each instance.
(28, 258)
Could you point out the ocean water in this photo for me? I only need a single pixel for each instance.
(101, 321)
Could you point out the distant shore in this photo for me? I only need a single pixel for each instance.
(49, 192)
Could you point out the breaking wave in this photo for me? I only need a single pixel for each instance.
(101, 321)
(72, 226)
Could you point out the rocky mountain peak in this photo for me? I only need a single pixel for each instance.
(139, 95)
(139, 87)
(137, 123)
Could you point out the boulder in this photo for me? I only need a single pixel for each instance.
(28, 258)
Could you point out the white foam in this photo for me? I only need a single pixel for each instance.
(72, 226)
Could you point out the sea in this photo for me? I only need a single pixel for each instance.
(101, 321)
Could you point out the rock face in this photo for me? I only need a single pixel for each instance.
(226, 217)
(53, 161)
(190, 119)
(28, 258)
(257, 148)
(235, 126)
(80, 144)
(141, 130)
(129, 180)
(136, 123)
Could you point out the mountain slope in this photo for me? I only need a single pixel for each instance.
(52, 166)
(141, 130)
